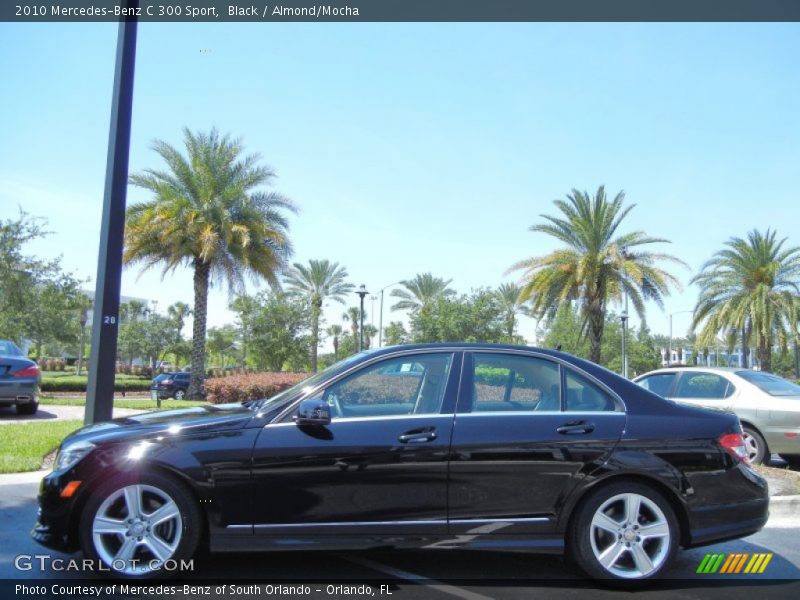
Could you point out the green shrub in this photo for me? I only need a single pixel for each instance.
(73, 383)
(252, 386)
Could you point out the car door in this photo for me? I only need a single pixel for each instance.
(526, 428)
(704, 388)
(380, 466)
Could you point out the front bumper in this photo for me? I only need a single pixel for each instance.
(52, 527)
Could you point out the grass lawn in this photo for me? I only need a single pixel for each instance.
(23, 446)
(142, 403)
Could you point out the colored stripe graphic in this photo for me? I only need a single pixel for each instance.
(734, 563)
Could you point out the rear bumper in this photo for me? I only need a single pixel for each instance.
(721, 521)
(721, 526)
(20, 391)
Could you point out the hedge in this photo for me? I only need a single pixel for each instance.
(250, 386)
(78, 384)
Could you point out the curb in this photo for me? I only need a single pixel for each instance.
(784, 506)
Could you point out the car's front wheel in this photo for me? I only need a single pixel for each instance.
(138, 529)
(626, 532)
(756, 446)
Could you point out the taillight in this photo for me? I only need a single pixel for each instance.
(32, 371)
(734, 444)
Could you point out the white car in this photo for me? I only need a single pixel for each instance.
(768, 406)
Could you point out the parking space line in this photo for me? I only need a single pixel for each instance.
(431, 583)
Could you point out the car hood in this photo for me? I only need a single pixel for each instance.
(183, 421)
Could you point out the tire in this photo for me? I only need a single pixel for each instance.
(108, 534)
(27, 409)
(792, 459)
(179, 394)
(608, 544)
(757, 450)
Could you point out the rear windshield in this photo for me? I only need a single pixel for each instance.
(772, 384)
(9, 349)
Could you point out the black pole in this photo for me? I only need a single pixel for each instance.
(102, 361)
(362, 292)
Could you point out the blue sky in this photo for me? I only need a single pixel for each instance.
(425, 147)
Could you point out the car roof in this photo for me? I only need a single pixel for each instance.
(682, 369)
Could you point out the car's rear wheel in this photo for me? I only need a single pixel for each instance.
(756, 447)
(27, 409)
(625, 532)
(137, 529)
(180, 394)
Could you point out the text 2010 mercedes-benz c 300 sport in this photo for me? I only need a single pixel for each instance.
(428, 446)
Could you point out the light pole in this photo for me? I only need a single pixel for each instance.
(82, 320)
(380, 320)
(362, 292)
(669, 348)
(624, 318)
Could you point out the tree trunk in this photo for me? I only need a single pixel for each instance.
(746, 347)
(316, 311)
(765, 354)
(336, 347)
(596, 326)
(202, 273)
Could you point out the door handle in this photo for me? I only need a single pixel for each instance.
(418, 436)
(574, 427)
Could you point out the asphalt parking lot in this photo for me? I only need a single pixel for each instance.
(424, 574)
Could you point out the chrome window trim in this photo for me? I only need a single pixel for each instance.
(533, 413)
(566, 364)
(374, 418)
(366, 363)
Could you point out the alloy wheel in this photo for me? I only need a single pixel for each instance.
(136, 529)
(752, 447)
(630, 536)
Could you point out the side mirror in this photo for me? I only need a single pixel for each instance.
(313, 412)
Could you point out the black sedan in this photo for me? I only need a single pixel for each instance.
(170, 385)
(428, 446)
(19, 379)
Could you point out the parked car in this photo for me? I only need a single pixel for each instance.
(476, 446)
(170, 385)
(19, 379)
(767, 405)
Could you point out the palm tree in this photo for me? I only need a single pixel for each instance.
(370, 331)
(178, 313)
(335, 331)
(207, 213)
(749, 288)
(320, 280)
(420, 292)
(353, 315)
(596, 267)
(508, 295)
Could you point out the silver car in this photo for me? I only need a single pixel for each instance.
(768, 406)
(19, 379)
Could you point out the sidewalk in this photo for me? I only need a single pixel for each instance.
(57, 412)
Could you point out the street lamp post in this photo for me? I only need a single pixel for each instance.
(669, 347)
(362, 292)
(82, 320)
(624, 319)
(380, 320)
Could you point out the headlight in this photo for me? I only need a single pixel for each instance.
(71, 454)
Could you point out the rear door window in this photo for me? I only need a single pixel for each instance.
(659, 383)
(703, 385)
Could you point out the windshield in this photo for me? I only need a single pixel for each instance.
(311, 382)
(772, 384)
(9, 349)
